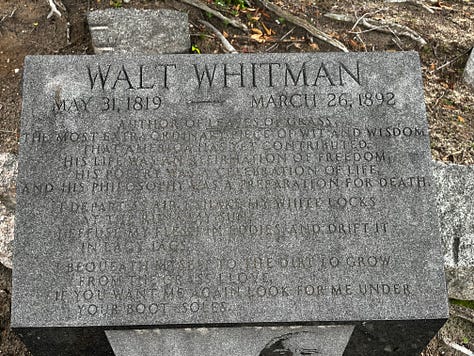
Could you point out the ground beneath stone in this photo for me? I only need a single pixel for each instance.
(448, 28)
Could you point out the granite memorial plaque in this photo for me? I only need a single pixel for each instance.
(226, 189)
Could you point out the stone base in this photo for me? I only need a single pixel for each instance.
(404, 338)
(239, 341)
(65, 341)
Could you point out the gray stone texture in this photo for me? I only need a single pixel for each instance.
(140, 31)
(468, 75)
(455, 203)
(242, 341)
(8, 172)
(294, 188)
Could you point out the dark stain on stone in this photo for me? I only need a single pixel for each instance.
(288, 345)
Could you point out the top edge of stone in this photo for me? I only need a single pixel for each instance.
(138, 11)
(403, 54)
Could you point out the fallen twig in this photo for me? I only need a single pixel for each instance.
(274, 40)
(381, 26)
(416, 2)
(281, 39)
(304, 24)
(228, 47)
(234, 22)
(439, 98)
(451, 61)
(397, 43)
(68, 33)
(457, 347)
(365, 15)
(53, 4)
(10, 16)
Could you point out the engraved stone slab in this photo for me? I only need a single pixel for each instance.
(143, 31)
(226, 189)
(243, 341)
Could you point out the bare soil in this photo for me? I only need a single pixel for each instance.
(449, 32)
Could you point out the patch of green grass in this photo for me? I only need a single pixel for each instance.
(464, 303)
(426, 49)
(447, 101)
(116, 3)
(231, 3)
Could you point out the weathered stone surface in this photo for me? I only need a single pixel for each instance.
(242, 341)
(228, 189)
(7, 224)
(460, 282)
(455, 184)
(139, 31)
(468, 75)
(8, 172)
(456, 212)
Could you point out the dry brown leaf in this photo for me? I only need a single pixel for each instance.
(225, 34)
(257, 37)
(314, 46)
(443, 6)
(461, 119)
(354, 43)
(257, 31)
(432, 66)
(255, 18)
(267, 30)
